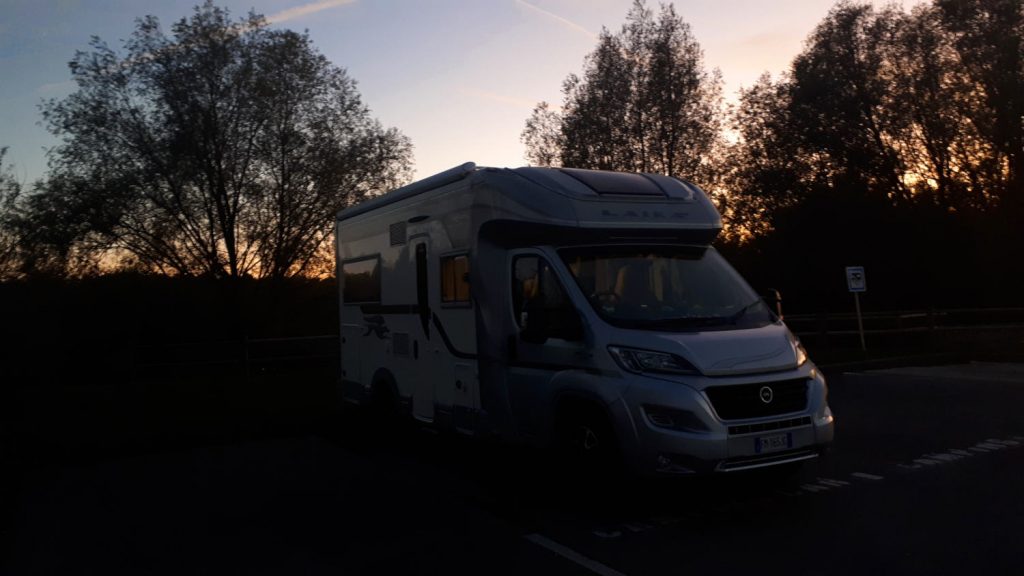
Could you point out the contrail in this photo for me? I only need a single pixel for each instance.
(306, 9)
(564, 21)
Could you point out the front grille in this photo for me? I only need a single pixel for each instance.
(769, 426)
(744, 400)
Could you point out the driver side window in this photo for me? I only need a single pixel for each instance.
(539, 301)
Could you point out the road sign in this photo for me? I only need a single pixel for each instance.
(857, 282)
(855, 279)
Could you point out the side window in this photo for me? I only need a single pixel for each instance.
(362, 280)
(455, 279)
(540, 301)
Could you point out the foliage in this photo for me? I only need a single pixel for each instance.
(10, 193)
(645, 103)
(222, 150)
(886, 104)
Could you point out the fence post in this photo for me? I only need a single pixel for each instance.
(823, 330)
(245, 348)
(931, 328)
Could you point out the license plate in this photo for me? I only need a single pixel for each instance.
(773, 443)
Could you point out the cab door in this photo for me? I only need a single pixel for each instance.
(548, 339)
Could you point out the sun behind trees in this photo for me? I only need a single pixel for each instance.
(221, 150)
(912, 108)
(895, 140)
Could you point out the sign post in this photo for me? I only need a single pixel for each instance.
(856, 282)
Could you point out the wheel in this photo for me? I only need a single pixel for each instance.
(586, 443)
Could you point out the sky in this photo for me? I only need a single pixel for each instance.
(458, 77)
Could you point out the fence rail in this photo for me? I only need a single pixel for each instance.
(247, 354)
(826, 330)
(915, 327)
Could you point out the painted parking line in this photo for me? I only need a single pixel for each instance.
(990, 445)
(1004, 442)
(945, 457)
(813, 488)
(572, 555)
(866, 476)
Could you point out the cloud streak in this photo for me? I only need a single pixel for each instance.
(306, 10)
(565, 22)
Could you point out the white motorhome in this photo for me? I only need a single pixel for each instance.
(581, 307)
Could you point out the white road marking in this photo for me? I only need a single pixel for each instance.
(833, 483)
(570, 554)
(609, 534)
(990, 445)
(1004, 442)
(813, 487)
(637, 526)
(927, 461)
(960, 452)
(945, 457)
(867, 476)
(977, 449)
(909, 466)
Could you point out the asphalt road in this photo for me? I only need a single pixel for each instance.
(925, 478)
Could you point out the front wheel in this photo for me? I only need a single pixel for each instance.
(586, 444)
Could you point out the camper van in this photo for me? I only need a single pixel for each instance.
(582, 309)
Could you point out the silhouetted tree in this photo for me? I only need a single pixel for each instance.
(645, 103)
(989, 40)
(10, 192)
(839, 95)
(222, 150)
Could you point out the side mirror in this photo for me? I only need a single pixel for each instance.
(773, 298)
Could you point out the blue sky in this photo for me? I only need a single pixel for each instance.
(459, 77)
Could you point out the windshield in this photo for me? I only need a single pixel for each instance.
(665, 287)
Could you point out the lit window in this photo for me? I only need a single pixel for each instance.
(455, 279)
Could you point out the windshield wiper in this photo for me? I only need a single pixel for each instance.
(736, 317)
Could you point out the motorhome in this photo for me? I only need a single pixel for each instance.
(578, 308)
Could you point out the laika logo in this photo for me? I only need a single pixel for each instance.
(645, 214)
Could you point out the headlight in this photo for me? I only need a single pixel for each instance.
(639, 361)
(801, 354)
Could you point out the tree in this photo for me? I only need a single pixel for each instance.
(839, 96)
(765, 170)
(989, 40)
(645, 103)
(222, 150)
(10, 192)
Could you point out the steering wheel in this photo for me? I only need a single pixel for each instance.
(607, 298)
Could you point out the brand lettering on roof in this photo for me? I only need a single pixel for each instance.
(645, 214)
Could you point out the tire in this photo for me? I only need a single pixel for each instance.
(586, 444)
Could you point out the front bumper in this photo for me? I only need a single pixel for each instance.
(721, 445)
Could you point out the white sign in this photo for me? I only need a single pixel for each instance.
(855, 279)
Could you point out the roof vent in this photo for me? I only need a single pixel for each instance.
(398, 233)
(618, 183)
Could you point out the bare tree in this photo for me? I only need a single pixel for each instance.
(223, 149)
